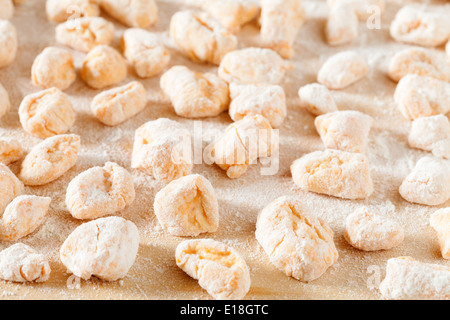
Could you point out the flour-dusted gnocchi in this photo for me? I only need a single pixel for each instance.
(117, 105)
(428, 183)
(10, 186)
(424, 27)
(253, 65)
(263, 99)
(188, 207)
(344, 130)
(46, 113)
(333, 172)
(242, 144)
(8, 43)
(342, 25)
(421, 96)
(364, 9)
(201, 37)
(195, 95)
(430, 134)
(6, 9)
(219, 269)
(297, 242)
(10, 151)
(105, 248)
(84, 34)
(5, 104)
(317, 99)
(409, 279)
(280, 22)
(100, 191)
(132, 13)
(145, 51)
(62, 10)
(21, 263)
(369, 230)
(419, 61)
(103, 66)
(232, 14)
(162, 149)
(23, 216)
(50, 159)
(440, 222)
(343, 69)
(54, 67)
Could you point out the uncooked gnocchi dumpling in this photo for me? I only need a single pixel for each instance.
(409, 279)
(105, 248)
(418, 96)
(21, 263)
(62, 10)
(342, 25)
(219, 269)
(419, 61)
(333, 172)
(440, 222)
(10, 151)
(54, 67)
(103, 66)
(428, 183)
(344, 130)
(232, 14)
(431, 134)
(416, 25)
(23, 216)
(46, 113)
(242, 144)
(253, 65)
(145, 52)
(297, 242)
(263, 99)
(195, 95)
(317, 99)
(342, 70)
(85, 34)
(162, 149)
(100, 191)
(5, 104)
(364, 9)
(370, 231)
(8, 43)
(188, 207)
(50, 159)
(10, 186)
(132, 13)
(201, 37)
(117, 105)
(6, 9)
(280, 22)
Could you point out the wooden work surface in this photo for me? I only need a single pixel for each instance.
(155, 274)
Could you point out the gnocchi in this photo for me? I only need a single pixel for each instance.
(317, 99)
(21, 263)
(200, 37)
(10, 186)
(162, 149)
(440, 222)
(5, 104)
(335, 173)
(188, 207)
(8, 43)
(53, 68)
(342, 25)
(297, 243)
(117, 105)
(430, 134)
(363, 8)
(100, 191)
(370, 231)
(10, 151)
(105, 248)
(46, 113)
(132, 13)
(50, 159)
(219, 269)
(195, 95)
(62, 10)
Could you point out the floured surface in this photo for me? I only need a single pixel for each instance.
(155, 274)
